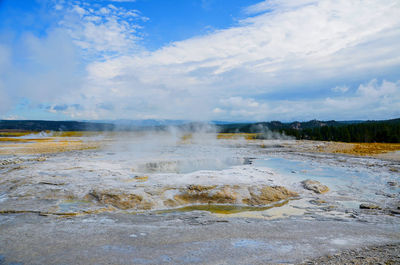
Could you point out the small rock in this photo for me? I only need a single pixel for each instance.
(328, 208)
(51, 183)
(315, 186)
(392, 183)
(317, 202)
(389, 195)
(369, 206)
(395, 211)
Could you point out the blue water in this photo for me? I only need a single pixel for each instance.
(362, 182)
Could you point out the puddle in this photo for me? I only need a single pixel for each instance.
(223, 209)
(68, 206)
(288, 209)
(278, 210)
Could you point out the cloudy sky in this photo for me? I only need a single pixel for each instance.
(232, 60)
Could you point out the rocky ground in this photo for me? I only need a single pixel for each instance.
(194, 237)
(227, 201)
(385, 254)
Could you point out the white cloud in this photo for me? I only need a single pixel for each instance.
(52, 70)
(229, 74)
(102, 31)
(238, 108)
(341, 89)
(49, 71)
(271, 5)
(374, 90)
(291, 47)
(13, 117)
(372, 100)
(239, 102)
(218, 111)
(276, 44)
(78, 10)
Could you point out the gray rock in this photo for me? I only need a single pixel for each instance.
(370, 206)
(315, 186)
(395, 211)
(392, 183)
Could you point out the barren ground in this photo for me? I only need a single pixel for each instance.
(118, 198)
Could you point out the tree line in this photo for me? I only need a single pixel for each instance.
(363, 133)
(386, 131)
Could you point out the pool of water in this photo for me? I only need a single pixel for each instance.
(173, 157)
(361, 183)
(224, 208)
(189, 165)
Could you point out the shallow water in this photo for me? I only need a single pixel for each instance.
(224, 208)
(362, 184)
(335, 177)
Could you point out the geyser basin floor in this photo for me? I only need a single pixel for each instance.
(84, 200)
(184, 238)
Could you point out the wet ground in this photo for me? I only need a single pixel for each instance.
(184, 238)
(159, 199)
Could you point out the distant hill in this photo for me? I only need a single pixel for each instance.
(37, 125)
(345, 131)
(126, 123)
(275, 126)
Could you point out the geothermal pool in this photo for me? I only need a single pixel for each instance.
(180, 198)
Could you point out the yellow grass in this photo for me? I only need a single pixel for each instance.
(22, 140)
(59, 142)
(75, 133)
(44, 147)
(14, 134)
(247, 136)
(5, 134)
(362, 149)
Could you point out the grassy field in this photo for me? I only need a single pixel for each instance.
(13, 143)
(18, 142)
(247, 136)
(360, 149)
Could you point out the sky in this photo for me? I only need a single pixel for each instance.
(201, 60)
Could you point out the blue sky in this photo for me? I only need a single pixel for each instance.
(234, 60)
